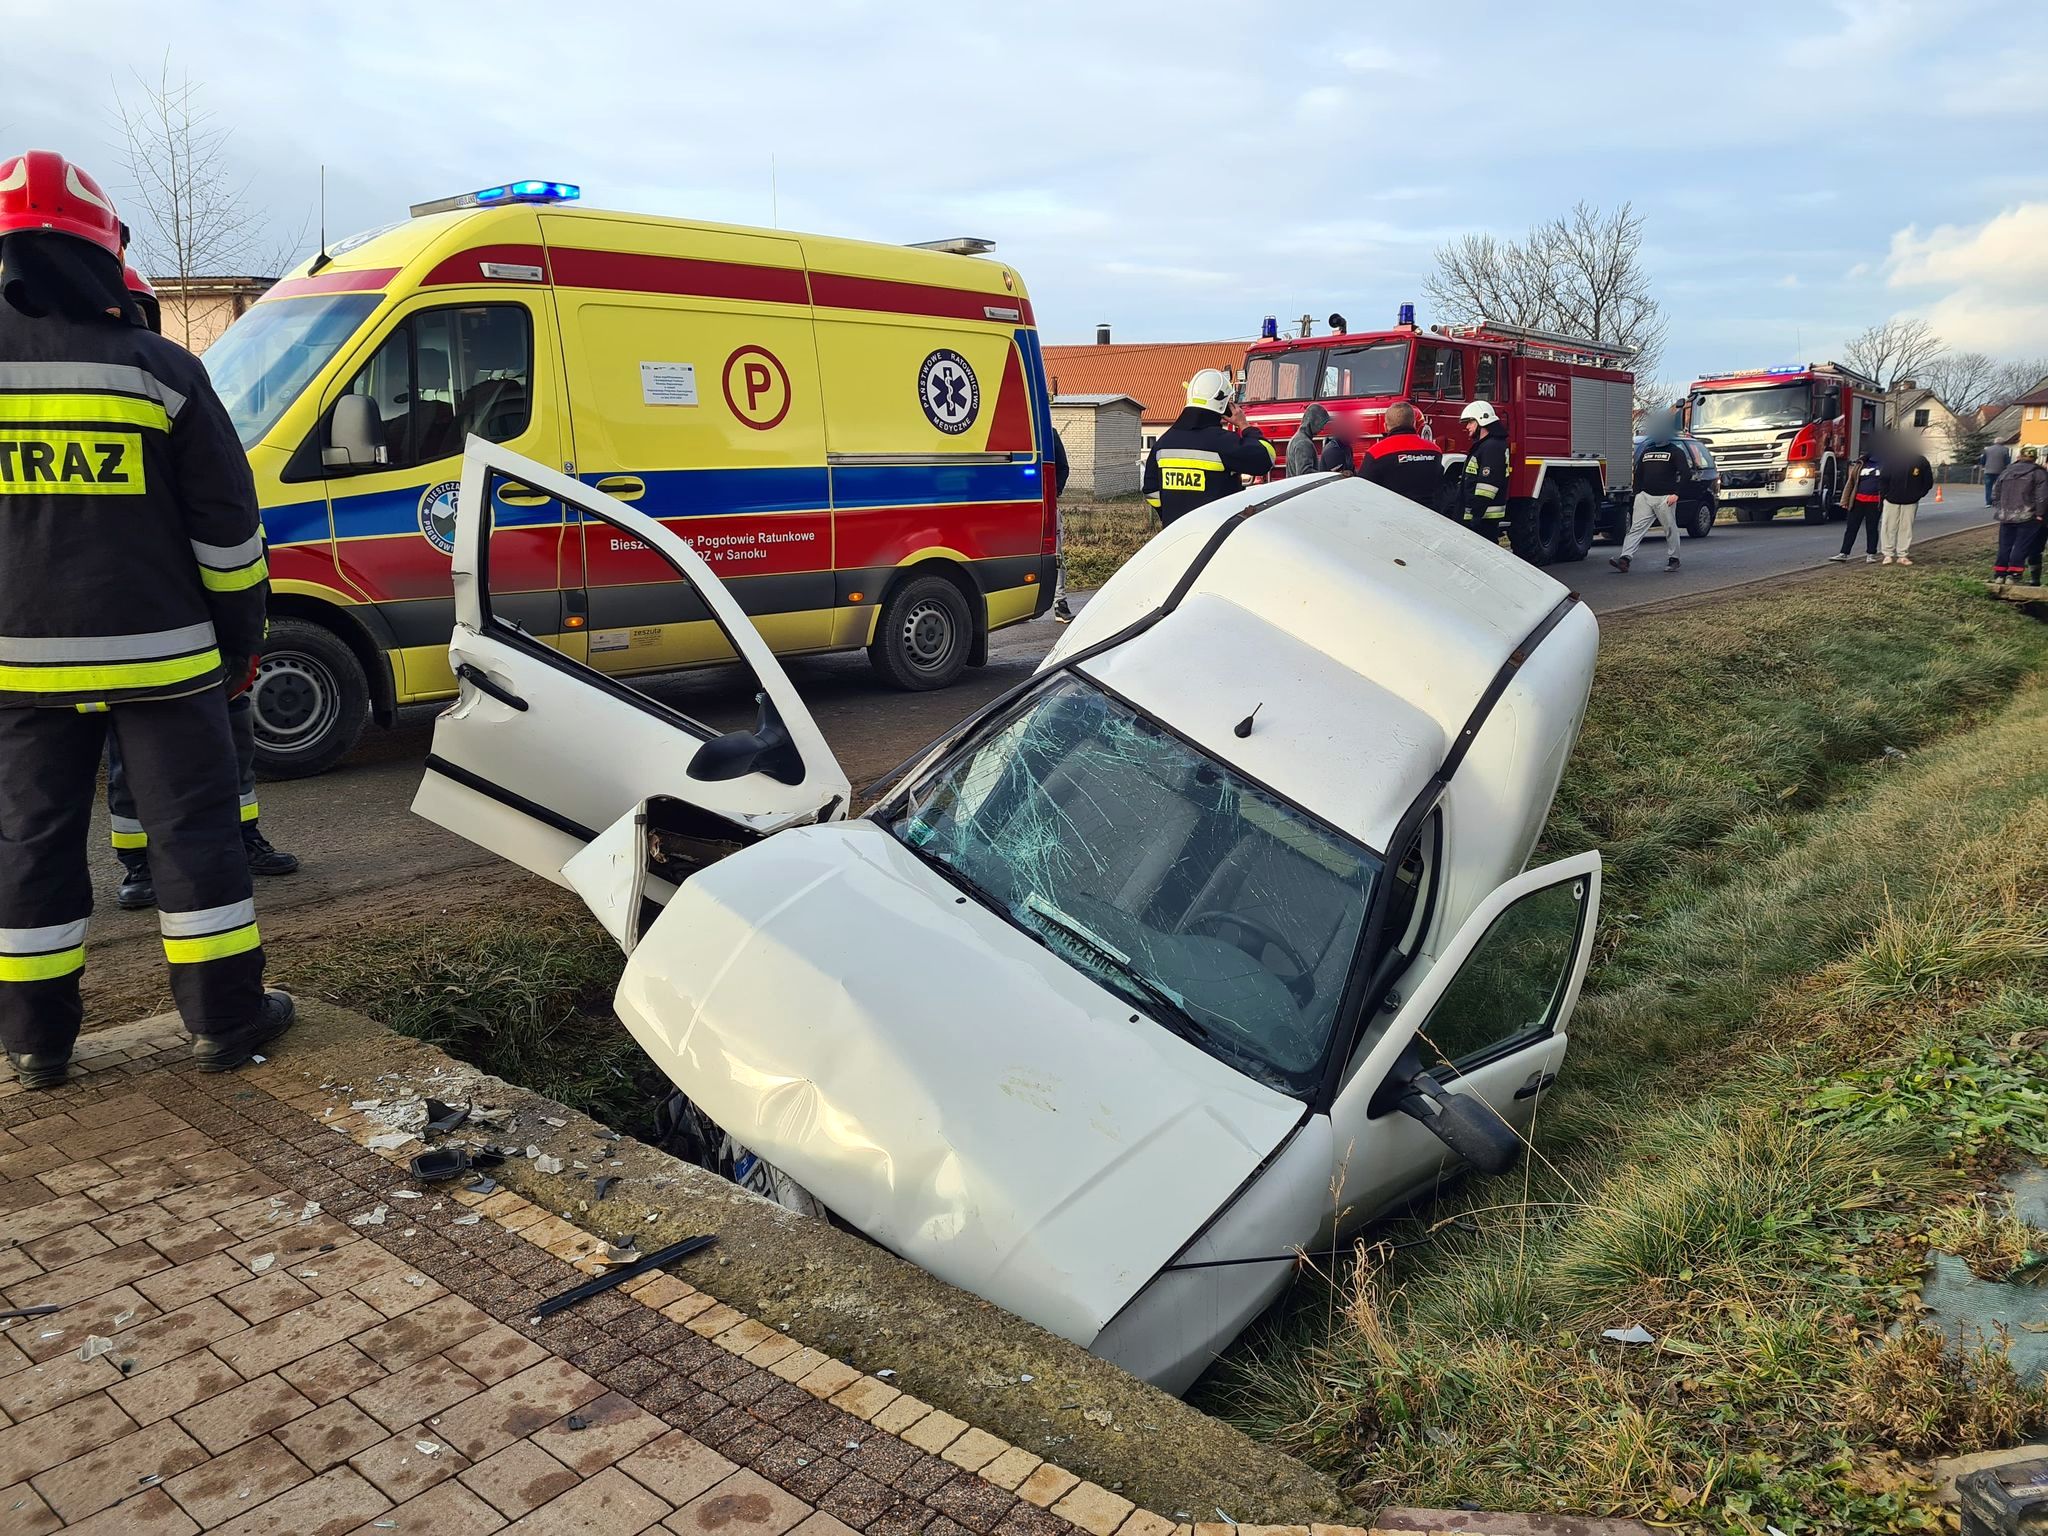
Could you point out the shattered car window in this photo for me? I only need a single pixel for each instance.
(1214, 908)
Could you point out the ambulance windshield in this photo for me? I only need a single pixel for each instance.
(262, 361)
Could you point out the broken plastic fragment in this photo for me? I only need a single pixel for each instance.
(405, 1194)
(261, 1262)
(121, 1320)
(389, 1141)
(426, 1447)
(577, 1421)
(94, 1347)
(148, 1478)
(605, 1183)
(551, 1120)
(258, 1057)
(444, 1118)
(415, 1279)
(543, 1163)
(369, 1218)
(1635, 1333)
(466, 1221)
(886, 1373)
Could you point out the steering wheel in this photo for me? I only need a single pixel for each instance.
(1300, 981)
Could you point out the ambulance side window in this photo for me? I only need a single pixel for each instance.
(446, 373)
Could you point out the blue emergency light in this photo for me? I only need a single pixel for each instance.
(509, 192)
(1269, 328)
(1407, 316)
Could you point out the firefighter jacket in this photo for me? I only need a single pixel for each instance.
(1408, 464)
(1197, 460)
(1486, 472)
(1660, 468)
(131, 549)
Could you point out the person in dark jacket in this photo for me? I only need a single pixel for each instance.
(1659, 472)
(1404, 461)
(137, 890)
(1995, 460)
(1486, 465)
(132, 595)
(1304, 453)
(2022, 511)
(1863, 500)
(1206, 453)
(1904, 477)
(1060, 471)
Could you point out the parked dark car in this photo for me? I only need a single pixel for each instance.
(1698, 497)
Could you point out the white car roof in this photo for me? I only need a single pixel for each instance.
(1365, 627)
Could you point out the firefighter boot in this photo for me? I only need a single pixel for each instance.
(40, 1070)
(264, 859)
(224, 1053)
(138, 890)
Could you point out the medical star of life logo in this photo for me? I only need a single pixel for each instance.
(948, 391)
(437, 515)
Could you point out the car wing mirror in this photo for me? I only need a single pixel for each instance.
(1462, 1122)
(355, 435)
(767, 748)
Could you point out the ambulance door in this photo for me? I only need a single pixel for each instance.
(693, 393)
(447, 364)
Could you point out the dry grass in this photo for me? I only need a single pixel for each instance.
(1986, 1233)
(1918, 1392)
(1101, 535)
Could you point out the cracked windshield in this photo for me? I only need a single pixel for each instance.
(1207, 903)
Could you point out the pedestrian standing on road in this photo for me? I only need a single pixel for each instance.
(1905, 477)
(1060, 471)
(1660, 466)
(1994, 460)
(137, 891)
(2022, 508)
(1403, 461)
(1485, 489)
(1304, 453)
(1863, 505)
(1206, 453)
(132, 595)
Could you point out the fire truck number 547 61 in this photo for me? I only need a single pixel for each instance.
(1546, 389)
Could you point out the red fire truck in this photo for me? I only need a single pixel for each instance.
(1784, 437)
(1567, 404)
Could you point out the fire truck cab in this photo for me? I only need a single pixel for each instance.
(1567, 404)
(1785, 437)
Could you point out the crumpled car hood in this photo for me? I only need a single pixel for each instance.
(938, 1079)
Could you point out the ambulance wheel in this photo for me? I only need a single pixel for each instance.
(310, 700)
(924, 636)
(1575, 533)
(1536, 526)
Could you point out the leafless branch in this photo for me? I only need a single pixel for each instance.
(1960, 380)
(1901, 348)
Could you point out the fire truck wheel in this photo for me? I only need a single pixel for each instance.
(1575, 533)
(309, 702)
(924, 636)
(1536, 526)
(1815, 511)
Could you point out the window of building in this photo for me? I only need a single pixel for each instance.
(1920, 418)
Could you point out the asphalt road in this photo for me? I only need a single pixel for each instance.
(355, 832)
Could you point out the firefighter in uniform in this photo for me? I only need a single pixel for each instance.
(132, 589)
(131, 843)
(1205, 453)
(1404, 461)
(1486, 466)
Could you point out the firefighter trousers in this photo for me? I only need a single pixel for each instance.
(131, 843)
(180, 767)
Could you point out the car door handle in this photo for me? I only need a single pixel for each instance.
(623, 487)
(520, 496)
(1538, 1081)
(483, 682)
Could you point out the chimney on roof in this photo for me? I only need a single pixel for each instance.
(1102, 335)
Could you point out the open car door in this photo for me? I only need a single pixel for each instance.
(1486, 1025)
(539, 753)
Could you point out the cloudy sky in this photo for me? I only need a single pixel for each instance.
(1806, 168)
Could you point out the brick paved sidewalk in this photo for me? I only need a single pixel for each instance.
(266, 1327)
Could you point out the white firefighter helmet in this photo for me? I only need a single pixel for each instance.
(1478, 414)
(1210, 389)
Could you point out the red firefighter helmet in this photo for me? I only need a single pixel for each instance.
(41, 190)
(144, 294)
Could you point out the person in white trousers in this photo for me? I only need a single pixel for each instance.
(1904, 477)
(1659, 464)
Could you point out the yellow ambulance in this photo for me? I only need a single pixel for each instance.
(856, 436)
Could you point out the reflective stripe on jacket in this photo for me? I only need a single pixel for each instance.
(131, 548)
(1197, 460)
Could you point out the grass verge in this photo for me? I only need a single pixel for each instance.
(1818, 1023)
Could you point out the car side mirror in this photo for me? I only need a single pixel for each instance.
(767, 748)
(355, 435)
(1465, 1124)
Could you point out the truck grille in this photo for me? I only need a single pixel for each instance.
(1738, 455)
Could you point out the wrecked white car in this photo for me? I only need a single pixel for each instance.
(1206, 944)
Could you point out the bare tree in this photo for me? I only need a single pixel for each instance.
(2011, 380)
(1581, 275)
(1960, 380)
(1901, 348)
(196, 219)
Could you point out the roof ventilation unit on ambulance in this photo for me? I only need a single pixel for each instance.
(510, 192)
(958, 245)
